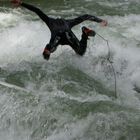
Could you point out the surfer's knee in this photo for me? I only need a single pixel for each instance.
(81, 52)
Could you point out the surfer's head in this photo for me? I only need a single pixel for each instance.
(46, 54)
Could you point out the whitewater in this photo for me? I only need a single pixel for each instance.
(70, 97)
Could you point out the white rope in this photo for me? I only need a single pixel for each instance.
(111, 63)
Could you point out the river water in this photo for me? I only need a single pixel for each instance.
(70, 97)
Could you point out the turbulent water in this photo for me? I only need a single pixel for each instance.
(70, 97)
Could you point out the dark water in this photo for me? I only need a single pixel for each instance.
(70, 97)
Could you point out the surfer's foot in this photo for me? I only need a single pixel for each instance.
(88, 31)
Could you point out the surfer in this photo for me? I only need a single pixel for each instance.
(61, 33)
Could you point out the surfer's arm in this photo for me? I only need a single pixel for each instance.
(32, 8)
(82, 18)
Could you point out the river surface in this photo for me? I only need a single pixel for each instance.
(70, 97)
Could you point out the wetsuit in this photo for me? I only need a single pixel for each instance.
(61, 33)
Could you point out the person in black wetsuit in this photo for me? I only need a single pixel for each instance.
(61, 33)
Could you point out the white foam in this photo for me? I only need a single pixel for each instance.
(96, 126)
(123, 36)
(23, 41)
(11, 18)
(27, 39)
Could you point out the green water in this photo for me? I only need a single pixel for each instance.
(70, 97)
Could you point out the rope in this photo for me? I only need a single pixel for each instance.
(111, 63)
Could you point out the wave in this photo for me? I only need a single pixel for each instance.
(25, 41)
(71, 97)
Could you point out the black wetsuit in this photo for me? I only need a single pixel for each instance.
(61, 33)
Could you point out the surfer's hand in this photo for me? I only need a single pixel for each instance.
(16, 2)
(104, 23)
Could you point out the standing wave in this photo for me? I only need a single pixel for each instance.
(70, 97)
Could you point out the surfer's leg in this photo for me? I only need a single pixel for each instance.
(78, 46)
(83, 42)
